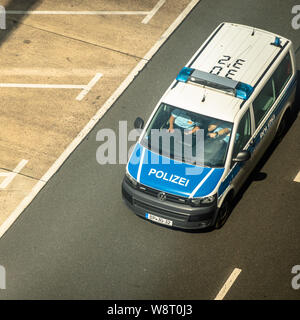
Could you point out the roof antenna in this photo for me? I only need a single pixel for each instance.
(252, 34)
(204, 95)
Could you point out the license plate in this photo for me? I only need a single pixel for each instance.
(159, 219)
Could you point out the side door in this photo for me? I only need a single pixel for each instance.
(264, 120)
(240, 170)
(268, 105)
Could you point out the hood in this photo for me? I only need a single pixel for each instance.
(171, 176)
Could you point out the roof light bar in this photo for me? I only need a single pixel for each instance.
(238, 89)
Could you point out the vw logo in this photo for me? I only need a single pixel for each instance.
(162, 196)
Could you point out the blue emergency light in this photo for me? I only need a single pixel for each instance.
(277, 42)
(243, 90)
(184, 74)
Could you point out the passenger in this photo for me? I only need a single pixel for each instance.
(181, 120)
(216, 130)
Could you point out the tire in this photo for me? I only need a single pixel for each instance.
(223, 214)
(283, 126)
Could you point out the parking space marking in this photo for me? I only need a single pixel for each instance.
(297, 178)
(88, 87)
(80, 12)
(94, 120)
(12, 174)
(82, 94)
(227, 285)
(153, 11)
(48, 72)
(149, 14)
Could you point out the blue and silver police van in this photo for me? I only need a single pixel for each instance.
(238, 91)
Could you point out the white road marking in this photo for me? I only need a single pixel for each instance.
(87, 88)
(46, 72)
(90, 125)
(11, 175)
(227, 285)
(297, 178)
(82, 94)
(149, 14)
(41, 86)
(79, 12)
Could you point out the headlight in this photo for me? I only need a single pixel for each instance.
(131, 179)
(197, 202)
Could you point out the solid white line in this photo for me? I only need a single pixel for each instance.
(297, 178)
(11, 175)
(46, 72)
(81, 95)
(201, 183)
(41, 86)
(90, 125)
(79, 12)
(227, 285)
(87, 88)
(159, 4)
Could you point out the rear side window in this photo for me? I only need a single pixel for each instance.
(264, 101)
(282, 74)
(270, 92)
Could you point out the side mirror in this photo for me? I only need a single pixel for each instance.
(138, 123)
(242, 156)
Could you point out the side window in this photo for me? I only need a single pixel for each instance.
(272, 89)
(243, 134)
(282, 74)
(264, 101)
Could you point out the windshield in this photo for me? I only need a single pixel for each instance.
(187, 136)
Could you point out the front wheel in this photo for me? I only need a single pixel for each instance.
(223, 214)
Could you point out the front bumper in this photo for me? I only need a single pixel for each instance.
(183, 216)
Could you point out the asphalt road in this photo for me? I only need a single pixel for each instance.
(78, 240)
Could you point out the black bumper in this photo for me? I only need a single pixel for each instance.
(183, 216)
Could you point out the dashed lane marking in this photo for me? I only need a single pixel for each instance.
(297, 178)
(227, 285)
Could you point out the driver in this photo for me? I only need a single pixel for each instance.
(216, 130)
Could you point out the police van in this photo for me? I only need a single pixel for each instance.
(238, 91)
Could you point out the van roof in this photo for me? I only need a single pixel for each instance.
(244, 50)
